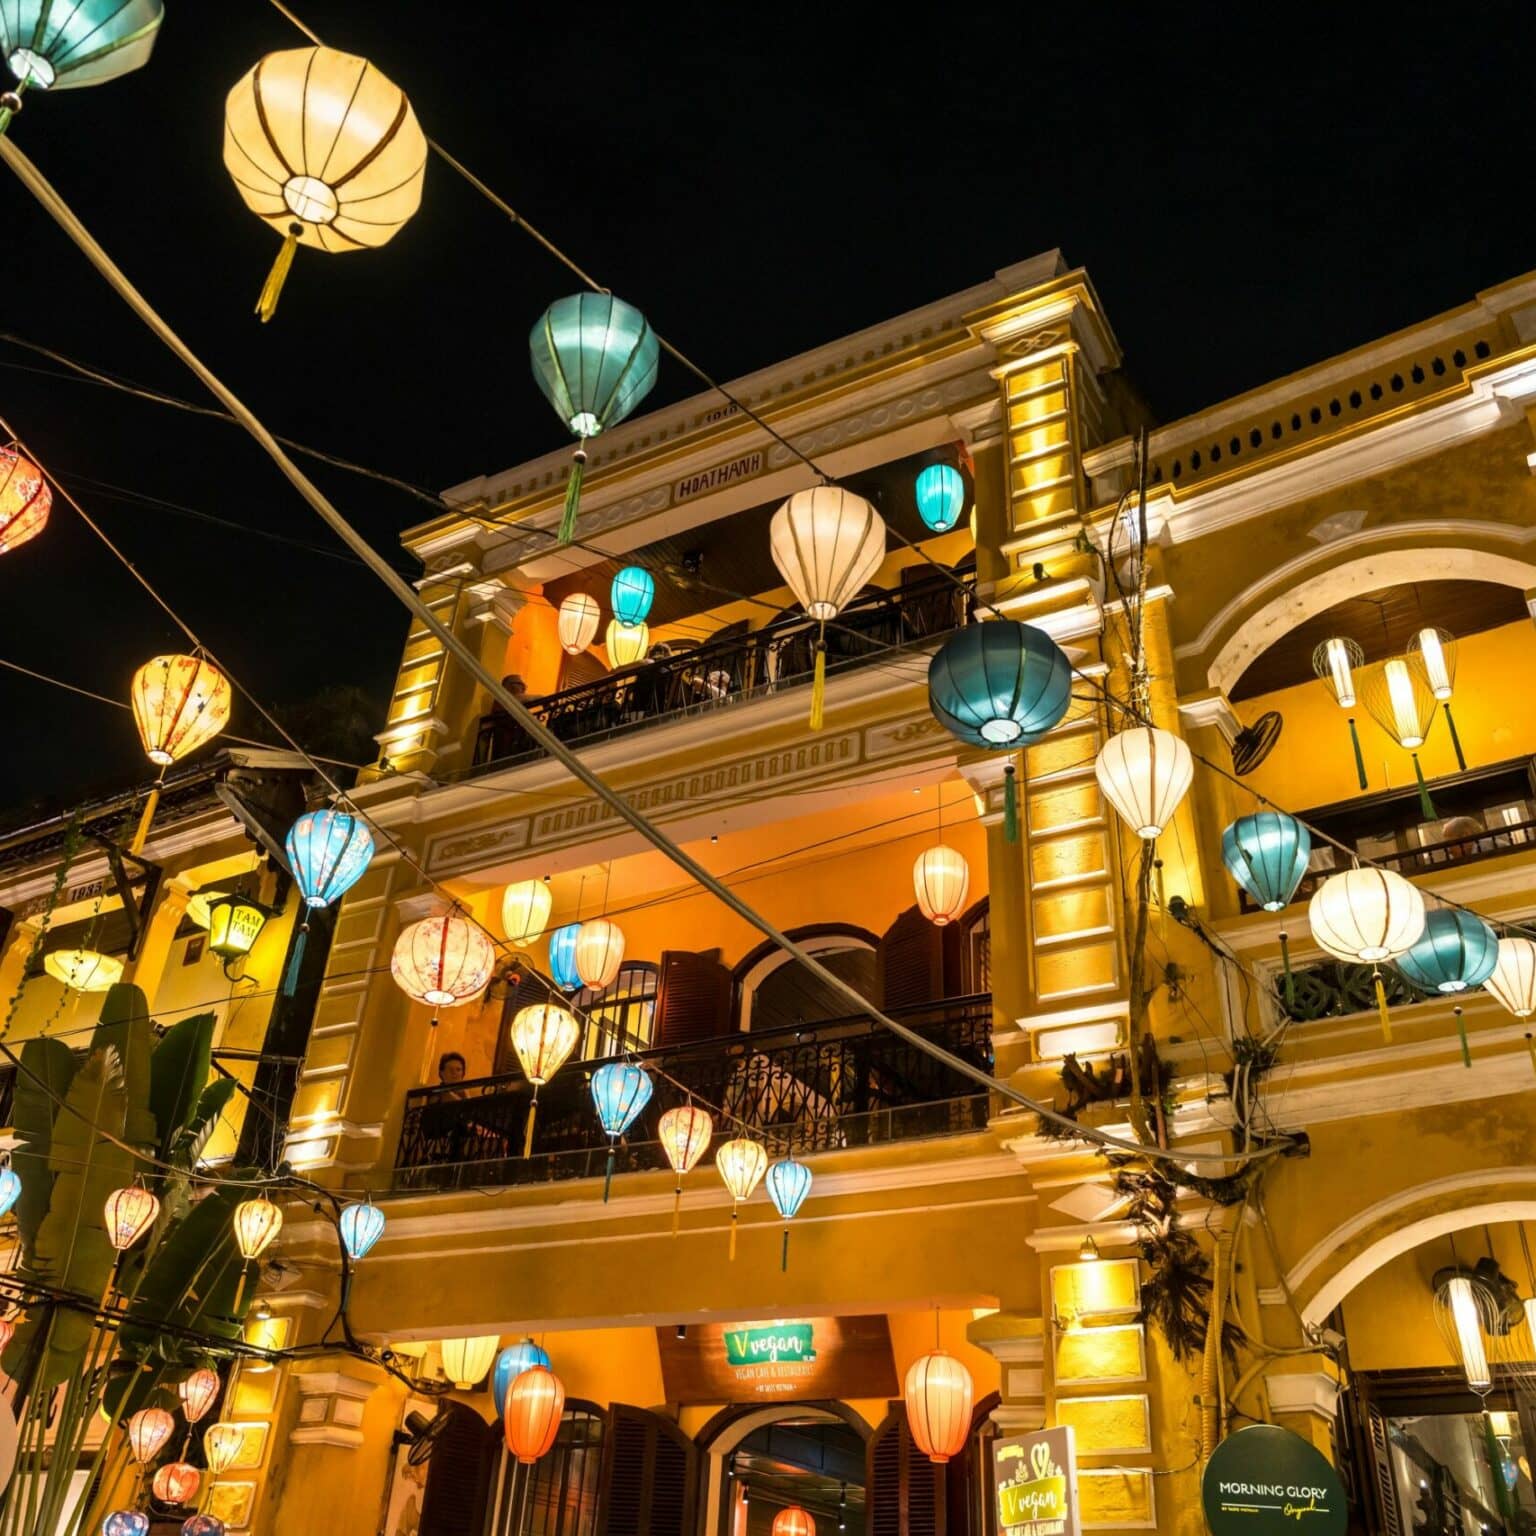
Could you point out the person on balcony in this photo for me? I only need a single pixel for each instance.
(451, 1068)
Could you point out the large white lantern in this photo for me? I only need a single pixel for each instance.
(544, 1036)
(1366, 915)
(465, 1361)
(525, 911)
(599, 952)
(579, 617)
(942, 880)
(1514, 977)
(1144, 773)
(827, 543)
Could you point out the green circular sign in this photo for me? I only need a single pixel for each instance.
(1267, 1481)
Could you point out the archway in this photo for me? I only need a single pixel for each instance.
(775, 991)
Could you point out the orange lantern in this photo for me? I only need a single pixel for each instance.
(148, 1430)
(179, 702)
(535, 1401)
(939, 1395)
(177, 1482)
(793, 1521)
(198, 1393)
(129, 1214)
(684, 1134)
(25, 499)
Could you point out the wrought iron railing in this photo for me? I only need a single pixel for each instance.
(816, 1088)
(689, 679)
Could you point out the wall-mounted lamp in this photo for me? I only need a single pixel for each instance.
(234, 925)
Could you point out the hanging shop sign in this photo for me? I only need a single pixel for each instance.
(1264, 1480)
(1034, 1478)
(779, 1360)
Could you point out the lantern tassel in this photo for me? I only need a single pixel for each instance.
(295, 960)
(677, 1208)
(272, 289)
(608, 1174)
(1530, 1045)
(784, 1253)
(572, 496)
(1010, 805)
(733, 1234)
(1461, 761)
(141, 835)
(240, 1289)
(1290, 980)
(1461, 1029)
(1381, 1008)
(1354, 737)
(533, 1111)
(1426, 805)
(819, 685)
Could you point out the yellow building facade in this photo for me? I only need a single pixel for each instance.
(715, 1374)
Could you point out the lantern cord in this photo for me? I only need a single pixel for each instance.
(291, 976)
(1426, 805)
(608, 1171)
(141, 832)
(540, 734)
(272, 289)
(735, 1222)
(1285, 963)
(784, 1251)
(1461, 1029)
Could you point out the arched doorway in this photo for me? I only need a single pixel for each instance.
(777, 992)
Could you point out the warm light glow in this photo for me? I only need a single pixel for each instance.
(25, 499)
(198, 903)
(544, 1037)
(177, 1482)
(1366, 915)
(684, 1135)
(827, 544)
(234, 925)
(443, 961)
(525, 911)
(939, 1395)
(942, 880)
(1466, 1315)
(129, 1213)
(83, 970)
(1145, 773)
(221, 1446)
(198, 1393)
(535, 1402)
(179, 703)
(1437, 650)
(793, 1521)
(627, 644)
(148, 1431)
(7, 1332)
(599, 952)
(578, 621)
(1513, 980)
(1404, 710)
(1088, 1251)
(742, 1163)
(1339, 662)
(257, 1223)
(465, 1361)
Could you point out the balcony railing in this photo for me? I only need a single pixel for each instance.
(682, 679)
(817, 1088)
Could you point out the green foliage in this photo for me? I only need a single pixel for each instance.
(177, 1073)
(47, 1069)
(192, 1138)
(124, 1026)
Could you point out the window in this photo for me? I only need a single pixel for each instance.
(622, 1017)
(978, 948)
(778, 993)
(557, 1496)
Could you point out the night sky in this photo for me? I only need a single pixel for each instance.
(1251, 191)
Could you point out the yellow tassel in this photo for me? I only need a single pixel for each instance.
(533, 1110)
(733, 1234)
(271, 290)
(1381, 1008)
(1530, 1045)
(141, 836)
(240, 1289)
(819, 688)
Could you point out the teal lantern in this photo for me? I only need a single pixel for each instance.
(788, 1183)
(1456, 951)
(562, 957)
(595, 358)
(362, 1225)
(60, 45)
(620, 1090)
(510, 1364)
(328, 853)
(10, 1189)
(940, 497)
(1267, 854)
(632, 593)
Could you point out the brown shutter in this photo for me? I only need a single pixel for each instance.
(693, 998)
(650, 1476)
(1382, 1480)
(459, 1475)
(904, 1492)
(918, 962)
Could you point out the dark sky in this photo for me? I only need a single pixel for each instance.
(1252, 190)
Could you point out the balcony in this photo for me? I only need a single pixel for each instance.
(817, 1088)
(681, 678)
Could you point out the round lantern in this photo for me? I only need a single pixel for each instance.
(83, 970)
(1457, 950)
(827, 543)
(202, 1525)
(326, 151)
(535, 1402)
(939, 1396)
(742, 1163)
(942, 880)
(510, 1364)
(599, 952)
(443, 961)
(684, 1134)
(1366, 915)
(620, 1090)
(221, 1446)
(25, 498)
(999, 685)
(129, 1213)
(465, 1361)
(257, 1223)
(10, 1189)
(1513, 978)
(179, 703)
(1267, 854)
(788, 1182)
(525, 910)
(176, 1482)
(198, 1393)
(148, 1431)
(64, 44)
(125, 1522)
(940, 497)
(362, 1225)
(328, 852)
(1144, 773)
(578, 621)
(793, 1521)
(627, 644)
(632, 593)
(595, 358)
(562, 957)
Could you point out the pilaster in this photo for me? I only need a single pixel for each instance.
(147, 969)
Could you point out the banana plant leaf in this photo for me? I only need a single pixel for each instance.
(124, 1026)
(176, 1188)
(178, 1072)
(47, 1069)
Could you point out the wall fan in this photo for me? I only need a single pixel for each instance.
(1255, 742)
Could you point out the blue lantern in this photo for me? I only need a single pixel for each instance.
(788, 1184)
(999, 685)
(940, 497)
(125, 1522)
(202, 1525)
(621, 1090)
(62, 44)
(632, 593)
(10, 1189)
(361, 1227)
(595, 358)
(562, 957)
(1456, 951)
(1267, 854)
(328, 851)
(510, 1364)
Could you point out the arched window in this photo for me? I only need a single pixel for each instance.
(622, 1016)
(558, 1494)
(776, 992)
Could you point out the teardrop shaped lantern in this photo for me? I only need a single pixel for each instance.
(179, 703)
(1144, 773)
(361, 1225)
(443, 961)
(684, 1134)
(324, 149)
(627, 644)
(257, 1223)
(577, 622)
(328, 853)
(562, 957)
(1267, 854)
(1335, 662)
(510, 1364)
(176, 1482)
(1513, 978)
(788, 1182)
(793, 1521)
(10, 1189)
(742, 1163)
(999, 685)
(543, 1037)
(595, 358)
(129, 1213)
(1435, 651)
(940, 496)
(466, 1361)
(1401, 701)
(61, 45)
(148, 1431)
(631, 595)
(620, 1090)
(1366, 916)
(939, 1396)
(535, 1402)
(942, 880)
(827, 544)
(525, 909)
(198, 1393)
(222, 1444)
(599, 952)
(83, 970)
(25, 496)
(1456, 951)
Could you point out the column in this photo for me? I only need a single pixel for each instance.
(148, 967)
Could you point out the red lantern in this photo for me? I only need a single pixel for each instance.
(198, 1393)
(939, 1394)
(176, 1482)
(793, 1521)
(532, 1420)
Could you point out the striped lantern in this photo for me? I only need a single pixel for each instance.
(742, 1163)
(535, 1402)
(939, 1397)
(942, 880)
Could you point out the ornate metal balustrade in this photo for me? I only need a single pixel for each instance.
(682, 679)
(814, 1089)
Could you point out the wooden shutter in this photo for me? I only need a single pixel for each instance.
(693, 998)
(1382, 1480)
(650, 1476)
(904, 1492)
(459, 1476)
(918, 962)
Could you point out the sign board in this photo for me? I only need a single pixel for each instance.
(778, 1360)
(1034, 1478)
(719, 476)
(1265, 1480)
